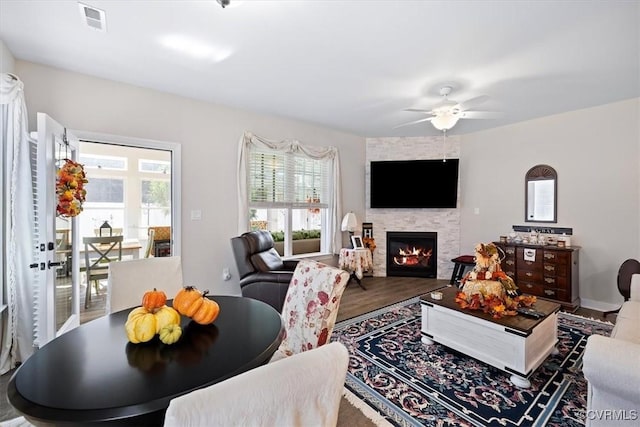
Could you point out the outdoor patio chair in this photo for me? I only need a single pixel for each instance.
(99, 252)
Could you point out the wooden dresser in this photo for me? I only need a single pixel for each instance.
(548, 272)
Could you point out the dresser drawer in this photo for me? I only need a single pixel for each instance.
(529, 265)
(532, 265)
(509, 251)
(531, 288)
(555, 282)
(558, 294)
(555, 269)
(559, 257)
(529, 275)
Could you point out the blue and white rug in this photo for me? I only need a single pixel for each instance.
(410, 384)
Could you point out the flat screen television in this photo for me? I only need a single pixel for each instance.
(414, 184)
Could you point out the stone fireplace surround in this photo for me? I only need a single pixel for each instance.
(445, 222)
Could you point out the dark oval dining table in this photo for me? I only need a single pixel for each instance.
(92, 374)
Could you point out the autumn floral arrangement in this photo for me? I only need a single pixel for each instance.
(369, 243)
(70, 190)
(488, 288)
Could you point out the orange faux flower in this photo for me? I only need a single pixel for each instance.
(70, 188)
(493, 305)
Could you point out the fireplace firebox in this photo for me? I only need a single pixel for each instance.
(412, 254)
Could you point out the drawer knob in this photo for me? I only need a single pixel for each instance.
(549, 280)
(549, 256)
(529, 286)
(529, 274)
(549, 268)
(549, 292)
(509, 262)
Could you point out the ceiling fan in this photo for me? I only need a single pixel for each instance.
(447, 112)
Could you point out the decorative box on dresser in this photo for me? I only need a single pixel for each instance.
(552, 273)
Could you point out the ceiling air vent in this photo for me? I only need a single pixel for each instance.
(92, 17)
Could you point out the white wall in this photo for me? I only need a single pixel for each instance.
(596, 153)
(7, 61)
(209, 136)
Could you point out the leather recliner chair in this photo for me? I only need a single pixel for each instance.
(264, 275)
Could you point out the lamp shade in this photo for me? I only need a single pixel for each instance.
(349, 222)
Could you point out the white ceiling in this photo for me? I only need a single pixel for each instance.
(351, 65)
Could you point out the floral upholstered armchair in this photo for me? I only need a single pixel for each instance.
(311, 307)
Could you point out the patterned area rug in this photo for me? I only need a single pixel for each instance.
(410, 384)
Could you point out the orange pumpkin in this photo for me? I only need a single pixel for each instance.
(190, 302)
(154, 299)
(207, 313)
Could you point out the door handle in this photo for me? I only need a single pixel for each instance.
(53, 264)
(34, 265)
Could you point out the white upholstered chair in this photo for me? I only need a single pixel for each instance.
(130, 279)
(311, 307)
(302, 390)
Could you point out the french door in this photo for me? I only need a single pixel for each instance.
(57, 292)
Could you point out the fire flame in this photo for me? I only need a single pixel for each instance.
(411, 257)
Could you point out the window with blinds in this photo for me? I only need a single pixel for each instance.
(289, 196)
(287, 180)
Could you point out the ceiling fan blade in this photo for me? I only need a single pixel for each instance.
(481, 115)
(473, 102)
(413, 122)
(418, 110)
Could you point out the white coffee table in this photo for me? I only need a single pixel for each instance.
(515, 344)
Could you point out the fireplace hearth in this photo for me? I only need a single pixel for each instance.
(412, 254)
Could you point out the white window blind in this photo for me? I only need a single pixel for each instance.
(36, 254)
(278, 179)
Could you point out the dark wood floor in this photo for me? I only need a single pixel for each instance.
(380, 292)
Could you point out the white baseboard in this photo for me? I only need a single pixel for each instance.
(598, 305)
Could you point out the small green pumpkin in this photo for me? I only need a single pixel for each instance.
(170, 333)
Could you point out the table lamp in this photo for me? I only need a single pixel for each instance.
(349, 223)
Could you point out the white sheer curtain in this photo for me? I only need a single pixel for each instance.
(18, 225)
(249, 140)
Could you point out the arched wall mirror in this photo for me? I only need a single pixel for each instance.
(541, 194)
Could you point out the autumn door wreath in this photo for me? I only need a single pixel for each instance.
(70, 190)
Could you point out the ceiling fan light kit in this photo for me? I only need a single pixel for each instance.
(445, 121)
(446, 114)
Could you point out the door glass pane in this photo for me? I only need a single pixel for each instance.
(129, 188)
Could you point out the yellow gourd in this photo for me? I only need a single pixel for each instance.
(166, 316)
(142, 325)
(170, 333)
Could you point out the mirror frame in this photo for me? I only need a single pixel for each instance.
(539, 173)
